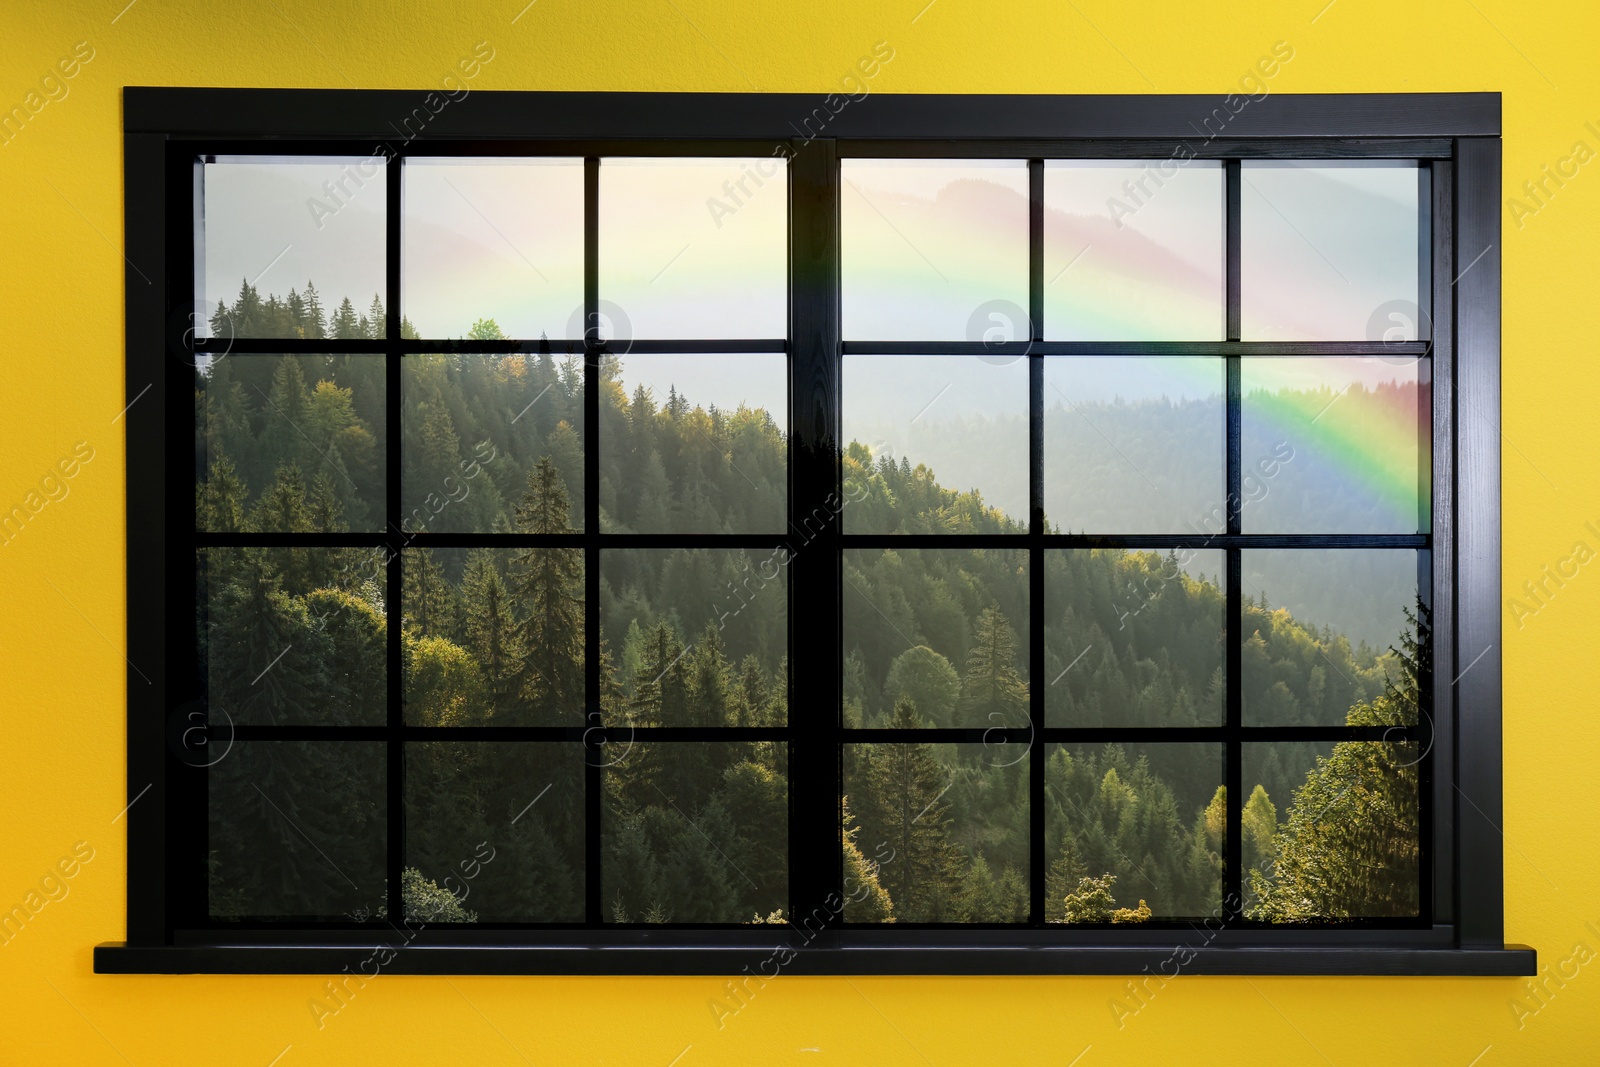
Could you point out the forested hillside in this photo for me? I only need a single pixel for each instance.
(696, 832)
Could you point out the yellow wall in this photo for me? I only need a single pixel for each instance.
(62, 628)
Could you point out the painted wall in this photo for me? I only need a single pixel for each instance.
(62, 625)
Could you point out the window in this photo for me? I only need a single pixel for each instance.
(1006, 535)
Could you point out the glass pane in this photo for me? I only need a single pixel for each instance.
(695, 637)
(935, 833)
(290, 444)
(694, 444)
(1337, 445)
(493, 636)
(494, 832)
(696, 832)
(934, 250)
(937, 444)
(1329, 251)
(1134, 445)
(294, 635)
(1133, 250)
(1134, 832)
(1327, 637)
(1331, 831)
(299, 831)
(491, 443)
(493, 248)
(936, 638)
(292, 249)
(693, 248)
(1134, 638)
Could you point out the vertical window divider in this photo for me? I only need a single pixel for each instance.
(594, 736)
(1233, 503)
(816, 871)
(393, 349)
(1037, 752)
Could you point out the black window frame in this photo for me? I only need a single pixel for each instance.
(168, 130)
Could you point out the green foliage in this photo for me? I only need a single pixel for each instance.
(290, 444)
(926, 679)
(293, 636)
(682, 469)
(1260, 824)
(549, 584)
(500, 826)
(992, 692)
(886, 497)
(425, 901)
(1092, 901)
(474, 427)
(274, 823)
(1349, 847)
(1109, 813)
(697, 833)
(947, 601)
(901, 800)
(444, 685)
(865, 899)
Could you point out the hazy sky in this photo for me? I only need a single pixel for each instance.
(963, 416)
(259, 228)
(758, 380)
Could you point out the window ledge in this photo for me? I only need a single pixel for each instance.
(119, 957)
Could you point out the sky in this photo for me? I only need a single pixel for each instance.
(263, 225)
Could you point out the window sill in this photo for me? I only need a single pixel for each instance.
(119, 957)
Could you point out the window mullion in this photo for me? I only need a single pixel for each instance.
(394, 206)
(1038, 753)
(594, 763)
(815, 870)
(1233, 855)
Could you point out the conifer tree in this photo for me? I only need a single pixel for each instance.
(283, 507)
(709, 680)
(220, 499)
(992, 692)
(492, 628)
(376, 322)
(425, 594)
(316, 321)
(904, 794)
(346, 324)
(548, 585)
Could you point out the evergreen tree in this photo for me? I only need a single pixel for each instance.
(904, 795)
(425, 595)
(992, 692)
(346, 325)
(709, 674)
(316, 321)
(257, 678)
(283, 508)
(548, 585)
(219, 500)
(376, 320)
(492, 635)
